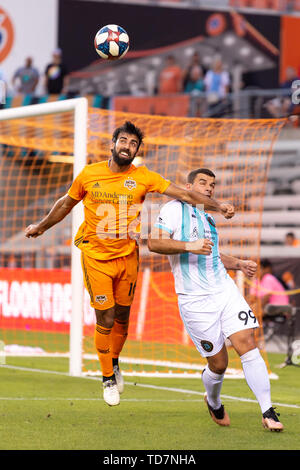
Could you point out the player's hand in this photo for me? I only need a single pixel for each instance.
(202, 246)
(249, 268)
(33, 231)
(227, 210)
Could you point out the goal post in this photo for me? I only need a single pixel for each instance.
(79, 106)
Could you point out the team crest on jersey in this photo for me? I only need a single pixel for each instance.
(130, 184)
(194, 233)
(207, 345)
(100, 299)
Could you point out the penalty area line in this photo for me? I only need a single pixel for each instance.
(154, 387)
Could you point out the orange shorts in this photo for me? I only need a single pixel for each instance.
(110, 282)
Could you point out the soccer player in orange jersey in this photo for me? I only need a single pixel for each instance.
(112, 192)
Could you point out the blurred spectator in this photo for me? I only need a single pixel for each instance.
(282, 105)
(170, 78)
(194, 82)
(217, 84)
(266, 285)
(12, 261)
(291, 240)
(289, 280)
(56, 79)
(26, 78)
(27, 260)
(150, 80)
(195, 62)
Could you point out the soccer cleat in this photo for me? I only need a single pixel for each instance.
(270, 420)
(110, 393)
(119, 379)
(219, 416)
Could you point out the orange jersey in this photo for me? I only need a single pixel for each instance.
(112, 206)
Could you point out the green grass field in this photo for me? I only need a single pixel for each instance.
(52, 411)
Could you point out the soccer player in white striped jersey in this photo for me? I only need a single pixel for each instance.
(210, 304)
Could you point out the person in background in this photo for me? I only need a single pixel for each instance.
(217, 80)
(56, 79)
(217, 84)
(170, 78)
(282, 105)
(194, 83)
(26, 78)
(195, 62)
(266, 285)
(291, 240)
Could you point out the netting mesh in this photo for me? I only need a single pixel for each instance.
(36, 157)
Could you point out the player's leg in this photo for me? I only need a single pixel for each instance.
(202, 323)
(102, 339)
(98, 278)
(256, 375)
(238, 324)
(124, 289)
(254, 367)
(212, 377)
(119, 330)
(118, 337)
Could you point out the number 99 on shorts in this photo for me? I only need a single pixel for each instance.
(247, 317)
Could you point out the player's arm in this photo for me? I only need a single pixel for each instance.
(59, 211)
(194, 197)
(248, 267)
(160, 241)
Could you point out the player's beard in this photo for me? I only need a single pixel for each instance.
(119, 160)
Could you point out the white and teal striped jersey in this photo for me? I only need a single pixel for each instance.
(193, 274)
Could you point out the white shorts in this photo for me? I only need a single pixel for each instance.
(210, 319)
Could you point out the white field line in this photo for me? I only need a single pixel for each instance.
(155, 387)
(197, 368)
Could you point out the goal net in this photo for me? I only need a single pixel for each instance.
(40, 153)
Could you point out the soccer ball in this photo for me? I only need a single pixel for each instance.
(111, 42)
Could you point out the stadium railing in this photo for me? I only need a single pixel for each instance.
(251, 103)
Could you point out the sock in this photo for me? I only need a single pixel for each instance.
(102, 342)
(256, 375)
(115, 361)
(118, 337)
(213, 384)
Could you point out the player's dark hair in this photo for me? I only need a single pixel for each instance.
(129, 128)
(192, 175)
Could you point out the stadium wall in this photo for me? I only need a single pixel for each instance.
(148, 27)
(28, 29)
